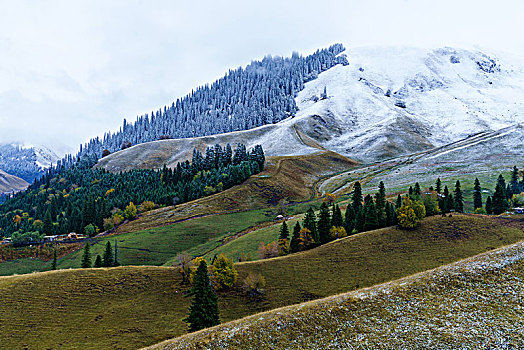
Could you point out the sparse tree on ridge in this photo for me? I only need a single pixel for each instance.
(459, 201)
(203, 312)
(477, 195)
(108, 259)
(86, 257)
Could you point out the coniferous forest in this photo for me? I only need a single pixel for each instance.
(78, 199)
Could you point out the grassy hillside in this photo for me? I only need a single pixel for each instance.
(473, 304)
(128, 307)
(290, 178)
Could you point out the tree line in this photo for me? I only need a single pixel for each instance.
(86, 200)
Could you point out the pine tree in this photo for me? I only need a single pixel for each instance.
(108, 260)
(380, 203)
(336, 217)
(477, 195)
(98, 261)
(398, 204)
(390, 214)
(284, 231)
(459, 200)
(438, 186)
(324, 224)
(203, 312)
(514, 183)
(116, 262)
(310, 223)
(499, 202)
(295, 239)
(360, 220)
(356, 197)
(86, 257)
(451, 202)
(349, 219)
(370, 210)
(53, 264)
(417, 191)
(48, 223)
(444, 200)
(489, 206)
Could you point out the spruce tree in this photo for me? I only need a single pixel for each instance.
(349, 219)
(284, 231)
(107, 260)
(53, 264)
(116, 262)
(371, 219)
(356, 197)
(499, 202)
(48, 223)
(98, 261)
(203, 312)
(477, 194)
(295, 239)
(451, 202)
(380, 203)
(336, 217)
(86, 257)
(310, 223)
(459, 200)
(444, 200)
(489, 206)
(417, 191)
(398, 204)
(360, 220)
(324, 224)
(438, 184)
(514, 183)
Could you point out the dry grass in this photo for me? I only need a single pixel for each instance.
(129, 307)
(473, 304)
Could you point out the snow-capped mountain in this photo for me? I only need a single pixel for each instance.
(27, 163)
(393, 101)
(388, 102)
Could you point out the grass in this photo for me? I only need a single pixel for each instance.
(129, 307)
(473, 304)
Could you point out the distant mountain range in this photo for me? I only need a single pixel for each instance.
(26, 163)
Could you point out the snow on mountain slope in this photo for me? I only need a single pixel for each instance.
(448, 94)
(388, 102)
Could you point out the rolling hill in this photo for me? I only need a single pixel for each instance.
(129, 307)
(10, 183)
(474, 303)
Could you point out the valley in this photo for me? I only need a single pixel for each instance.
(318, 134)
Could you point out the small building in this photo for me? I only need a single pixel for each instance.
(518, 210)
(50, 238)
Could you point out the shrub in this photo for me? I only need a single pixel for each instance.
(117, 219)
(224, 274)
(90, 230)
(130, 212)
(268, 251)
(480, 211)
(108, 224)
(337, 232)
(183, 264)
(254, 284)
(283, 246)
(146, 206)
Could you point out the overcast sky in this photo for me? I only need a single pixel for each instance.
(70, 70)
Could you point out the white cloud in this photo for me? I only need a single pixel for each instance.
(70, 70)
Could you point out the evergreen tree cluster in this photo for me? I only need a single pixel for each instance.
(261, 93)
(82, 197)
